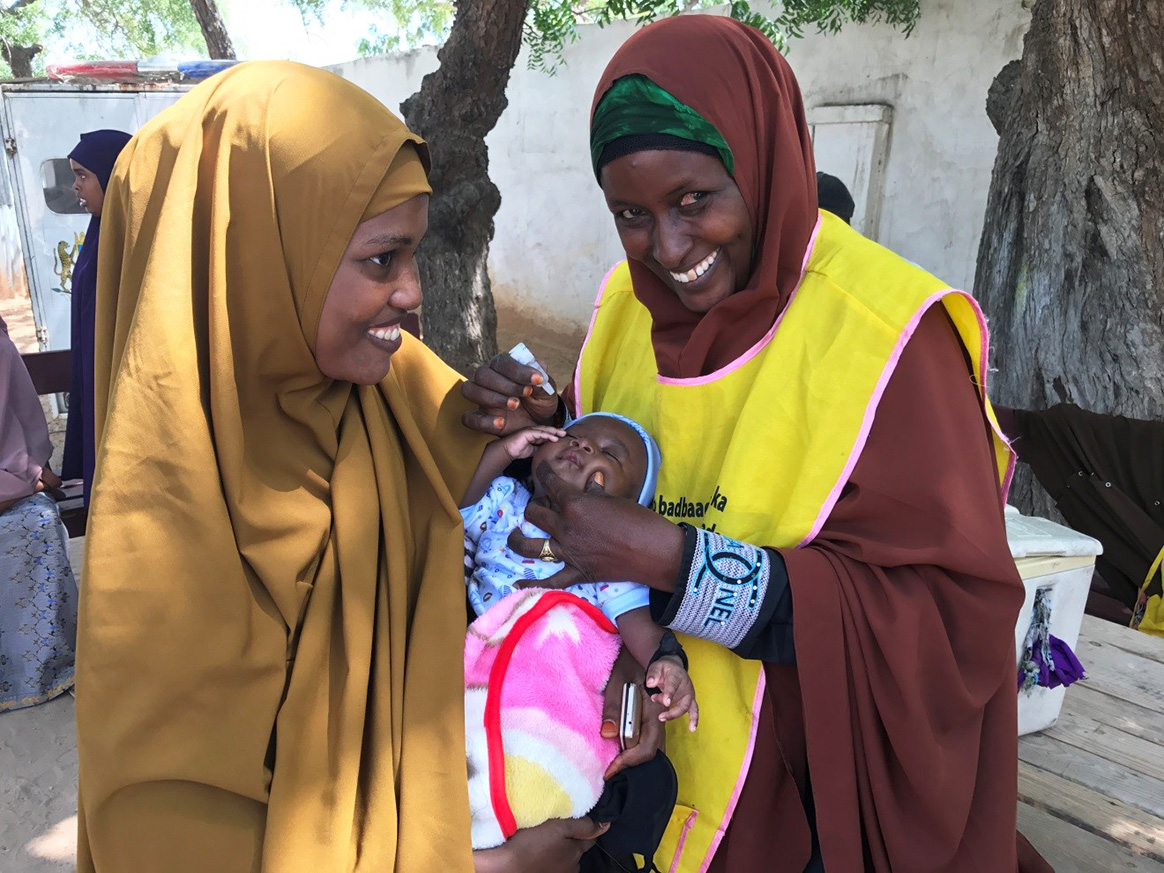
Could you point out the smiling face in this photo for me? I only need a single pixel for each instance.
(88, 189)
(601, 450)
(375, 284)
(682, 216)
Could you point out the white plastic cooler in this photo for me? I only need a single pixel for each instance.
(1052, 557)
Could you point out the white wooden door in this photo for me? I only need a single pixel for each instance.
(851, 142)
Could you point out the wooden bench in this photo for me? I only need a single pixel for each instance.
(50, 372)
(1091, 787)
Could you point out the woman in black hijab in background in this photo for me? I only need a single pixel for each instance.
(92, 160)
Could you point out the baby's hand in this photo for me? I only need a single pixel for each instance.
(521, 443)
(669, 684)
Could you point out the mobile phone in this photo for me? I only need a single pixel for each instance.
(628, 723)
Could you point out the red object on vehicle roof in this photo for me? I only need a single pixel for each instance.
(103, 70)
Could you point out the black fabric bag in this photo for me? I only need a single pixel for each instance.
(638, 803)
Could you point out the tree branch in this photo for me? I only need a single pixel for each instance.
(17, 6)
(217, 38)
(19, 57)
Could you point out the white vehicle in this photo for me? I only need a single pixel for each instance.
(41, 123)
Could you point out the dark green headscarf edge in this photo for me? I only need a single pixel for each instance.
(634, 106)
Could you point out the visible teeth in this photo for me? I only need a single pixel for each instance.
(386, 333)
(696, 271)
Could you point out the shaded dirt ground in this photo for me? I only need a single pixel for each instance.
(38, 749)
(555, 345)
(38, 788)
(38, 785)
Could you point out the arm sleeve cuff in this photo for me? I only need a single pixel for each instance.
(767, 632)
(720, 599)
(621, 598)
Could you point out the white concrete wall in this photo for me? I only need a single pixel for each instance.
(555, 238)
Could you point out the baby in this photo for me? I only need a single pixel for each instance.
(599, 450)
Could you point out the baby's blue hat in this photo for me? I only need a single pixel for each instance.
(654, 456)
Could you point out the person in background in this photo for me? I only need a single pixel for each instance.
(832, 196)
(92, 160)
(38, 595)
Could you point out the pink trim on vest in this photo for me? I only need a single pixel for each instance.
(687, 825)
(757, 701)
(767, 338)
(586, 342)
(875, 399)
(722, 371)
(982, 362)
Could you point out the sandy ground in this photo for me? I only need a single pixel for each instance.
(38, 747)
(38, 754)
(38, 778)
(38, 788)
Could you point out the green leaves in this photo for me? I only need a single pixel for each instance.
(407, 23)
(829, 16)
(552, 24)
(129, 28)
(89, 29)
(144, 28)
(21, 24)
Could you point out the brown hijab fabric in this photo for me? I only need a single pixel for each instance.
(751, 97)
(269, 664)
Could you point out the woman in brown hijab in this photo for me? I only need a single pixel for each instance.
(269, 671)
(827, 443)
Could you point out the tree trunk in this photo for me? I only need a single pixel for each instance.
(19, 58)
(1071, 264)
(456, 106)
(213, 30)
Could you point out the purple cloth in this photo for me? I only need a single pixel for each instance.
(1046, 661)
(97, 152)
(1050, 665)
(1064, 667)
(24, 438)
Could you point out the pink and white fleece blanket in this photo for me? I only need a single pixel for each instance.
(536, 665)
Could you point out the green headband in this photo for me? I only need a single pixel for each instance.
(636, 106)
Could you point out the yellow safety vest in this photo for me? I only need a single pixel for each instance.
(759, 451)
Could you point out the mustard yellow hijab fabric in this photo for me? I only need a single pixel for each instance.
(269, 670)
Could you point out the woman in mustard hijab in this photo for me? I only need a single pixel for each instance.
(269, 671)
